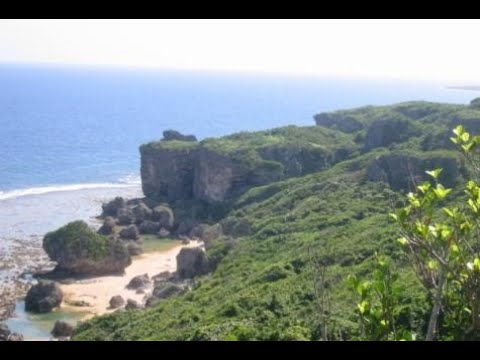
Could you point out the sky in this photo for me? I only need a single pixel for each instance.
(437, 50)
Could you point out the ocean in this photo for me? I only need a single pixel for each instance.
(69, 136)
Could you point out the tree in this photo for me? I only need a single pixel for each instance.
(442, 243)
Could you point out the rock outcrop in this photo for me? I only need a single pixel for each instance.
(43, 297)
(163, 215)
(108, 226)
(192, 262)
(116, 302)
(384, 132)
(169, 135)
(405, 172)
(207, 175)
(80, 251)
(132, 305)
(338, 121)
(134, 248)
(164, 290)
(149, 227)
(130, 233)
(7, 335)
(111, 208)
(62, 329)
(139, 282)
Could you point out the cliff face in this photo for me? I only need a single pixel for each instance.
(406, 172)
(168, 173)
(219, 169)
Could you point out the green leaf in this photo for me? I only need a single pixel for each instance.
(424, 187)
(432, 264)
(476, 264)
(363, 307)
(449, 212)
(459, 130)
(446, 232)
(465, 136)
(441, 192)
(455, 248)
(403, 241)
(434, 173)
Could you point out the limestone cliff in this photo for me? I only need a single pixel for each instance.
(216, 170)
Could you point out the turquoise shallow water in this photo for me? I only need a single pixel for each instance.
(37, 327)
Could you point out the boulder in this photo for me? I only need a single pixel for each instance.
(134, 248)
(62, 329)
(185, 226)
(169, 135)
(4, 332)
(142, 212)
(15, 337)
(164, 275)
(80, 251)
(43, 297)
(132, 305)
(139, 282)
(192, 262)
(116, 302)
(149, 227)
(164, 290)
(163, 233)
(108, 226)
(125, 216)
(7, 335)
(111, 208)
(130, 233)
(164, 216)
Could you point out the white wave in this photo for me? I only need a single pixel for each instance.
(4, 195)
(130, 179)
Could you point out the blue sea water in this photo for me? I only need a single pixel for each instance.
(77, 125)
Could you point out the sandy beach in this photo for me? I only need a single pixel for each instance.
(98, 291)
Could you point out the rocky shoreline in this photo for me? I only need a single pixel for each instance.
(75, 280)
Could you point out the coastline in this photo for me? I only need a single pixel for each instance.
(25, 219)
(98, 291)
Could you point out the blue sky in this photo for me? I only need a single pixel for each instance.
(439, 50)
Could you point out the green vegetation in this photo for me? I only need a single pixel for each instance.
(79, 250)
(77, 238)
(320, 259)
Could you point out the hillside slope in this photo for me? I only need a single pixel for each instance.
(263, 284)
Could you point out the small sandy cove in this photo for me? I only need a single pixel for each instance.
(98, 291)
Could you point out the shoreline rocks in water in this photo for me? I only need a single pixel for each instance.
(80, 251)
(43, 297)
(7, 335)
(62, 329)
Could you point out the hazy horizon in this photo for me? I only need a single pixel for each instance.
(431, 50)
